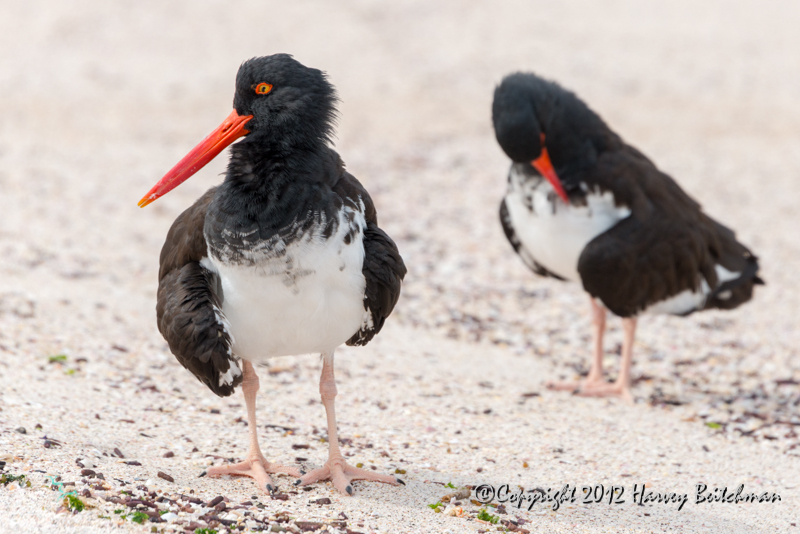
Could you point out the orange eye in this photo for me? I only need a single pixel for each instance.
(263, 88)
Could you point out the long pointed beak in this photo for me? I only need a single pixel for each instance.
(545, 168)
(229, 131)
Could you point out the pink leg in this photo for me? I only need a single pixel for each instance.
(255, 466)
(595, 377)
(336, 469)
(622, 386)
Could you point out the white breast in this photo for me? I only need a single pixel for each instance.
(308, 300)
(554, 233)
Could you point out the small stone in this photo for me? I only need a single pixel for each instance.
(87, 472)
(165, 476)
(169, 516)
(215, 501)
(323, 500)
(276, 528)
(307, 526)
(169, 454)
(118, 453)
(22, 430)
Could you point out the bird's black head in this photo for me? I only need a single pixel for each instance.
(534, 117)
(514, 115)
(279, 105)
(288, 101)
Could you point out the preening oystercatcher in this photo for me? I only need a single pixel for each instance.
(582, 205)
(284, 257)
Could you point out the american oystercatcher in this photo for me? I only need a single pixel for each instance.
(584, 206)
(284, 257)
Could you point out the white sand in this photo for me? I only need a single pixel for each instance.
(99, 99)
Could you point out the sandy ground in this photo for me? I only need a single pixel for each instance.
(99, 99)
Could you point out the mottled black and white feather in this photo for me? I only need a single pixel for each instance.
(189, 304)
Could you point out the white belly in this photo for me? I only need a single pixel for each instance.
(554, 233)
(309, 300)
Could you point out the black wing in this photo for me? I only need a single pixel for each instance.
(189, 308)
(383, 269)
(667, 245)
(519, 248)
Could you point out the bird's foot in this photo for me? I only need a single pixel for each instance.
(342, 474)
(256, 468)
(589, 382)
(606, 389)
(564, 386)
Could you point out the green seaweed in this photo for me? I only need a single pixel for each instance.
(7, 479)
(73, 503)
(139, 517)
(435, 506)
(483, 515)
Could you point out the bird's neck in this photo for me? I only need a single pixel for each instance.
(261, 167)
(269, 185)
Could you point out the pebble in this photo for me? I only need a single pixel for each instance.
(22, 430)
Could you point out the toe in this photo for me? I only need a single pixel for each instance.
(315, 475)
(283, 470)
(355, 473)
(562, 386)
(340, 481)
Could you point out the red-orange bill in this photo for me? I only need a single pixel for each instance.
(229, 131)
(545, 168)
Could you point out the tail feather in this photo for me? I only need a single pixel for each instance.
(737, 258)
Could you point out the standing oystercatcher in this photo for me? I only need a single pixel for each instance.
(584, 206)
(285, 257)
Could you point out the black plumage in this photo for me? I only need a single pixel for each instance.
(652, 247)
(284, 257)
(189, 302)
